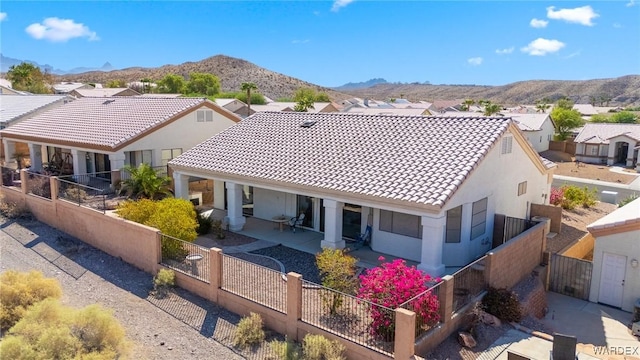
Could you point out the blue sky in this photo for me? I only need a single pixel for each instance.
(330, 43)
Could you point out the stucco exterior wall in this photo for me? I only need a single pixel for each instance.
(540, 139)
(623, 244)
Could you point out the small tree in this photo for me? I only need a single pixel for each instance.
(172, 84)
(624, 117)
(542, 105)
(304, 105)
(392, 284)
(118, 83)
(144, 182)
(491, 109)
(565, 103)
(248, 86)
(337, 270)
(566, 120)
(203, 83)
(467, 104)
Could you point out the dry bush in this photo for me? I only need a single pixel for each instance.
(249, 331)
(318, 347)
(18, 291)
(13, 210)
(163, 281)
(285, 350)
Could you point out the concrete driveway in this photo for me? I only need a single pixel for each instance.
(595, 326)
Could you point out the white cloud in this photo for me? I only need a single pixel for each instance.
(504, 51)
(542, 47)
(60, 30)
(580, 15)
(537, 23)
(338, 4)
(3, 16)
(475, 61)
(305, 41)
(631, 3)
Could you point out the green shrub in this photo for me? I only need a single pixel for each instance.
(627, 200)
(164, 280)
(337, 270)
(18, 291)
(249, 331)
(138, 211)
(502, 303)
(286, 350)
(577, 196)
(49, 330)
(318, 347)
(205, 224)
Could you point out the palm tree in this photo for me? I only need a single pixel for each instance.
(304, 104)
(248, 86)
(542, 106)
(466, 105)
(491, 108)
(145, 183)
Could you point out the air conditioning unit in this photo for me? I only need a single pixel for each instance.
(196, 198)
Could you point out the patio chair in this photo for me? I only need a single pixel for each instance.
(296, 222)
(363, 239)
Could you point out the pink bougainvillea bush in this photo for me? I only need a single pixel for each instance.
(392, 284)
(557, 194)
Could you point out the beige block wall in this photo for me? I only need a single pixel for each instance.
(579, 249)
(549, 211)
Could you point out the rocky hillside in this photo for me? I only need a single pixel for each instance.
(231, 71)
(624, 90)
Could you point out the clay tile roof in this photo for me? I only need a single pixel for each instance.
(373, 155)
(601, 133)
(100, 121)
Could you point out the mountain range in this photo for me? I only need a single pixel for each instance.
(233, 72)
(7, 62)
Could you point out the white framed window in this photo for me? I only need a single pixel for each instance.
(454, 225)
(479, 218)
(400, 223)
(168, 154)
(522, 188)
(204, 115)
(507, 145)
(592, 150)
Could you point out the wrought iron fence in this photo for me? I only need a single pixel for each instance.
(160, 171)
(39, 185)
(185, 257)
(82, 195)
(426, 305)
(570, 276)
(98, 180)
(347, 316)
(514, 227)
(10, 176)
(468, 283)
(266, 286)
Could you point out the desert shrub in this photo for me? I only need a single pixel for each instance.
(577, 196)
(218, 229)
(391, 285)
(285, 350)
(205, 224)
(173, 217)
(337, 270)
(557, 194)
(627, 200)
(39, 185)
(164, 280)
(19, 290)
(318, 347)
(502, 303)
(75, 193)
(13, 210)
(249, 331)
(52, 331)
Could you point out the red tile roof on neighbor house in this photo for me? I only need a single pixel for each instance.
(417, 159)
(104, 122)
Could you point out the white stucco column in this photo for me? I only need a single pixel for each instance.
(218, 194)
(433, 230)
(630, 150)
(117, 160)
(234, 206)
(35, 155)
(332, 225)
(181, 184)
(9, 150)
(79, 161)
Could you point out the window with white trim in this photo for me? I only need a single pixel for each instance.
(204, 115)
(168, 154)
(592, 150)
(400, 223)
(507, 144)
(522, 188)
(479, 218)
(454, 225)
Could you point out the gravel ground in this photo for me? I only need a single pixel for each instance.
(180, 326)
(574, 224)
(294, 260)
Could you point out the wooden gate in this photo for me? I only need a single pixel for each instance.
(570, 276)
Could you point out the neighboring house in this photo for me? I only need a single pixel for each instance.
(428, 186)
(4, 90)
(99, 135)
(14, 108)
(585, 110)
(615, 278)
(103, 92)
(537, 127)
(67, 87)
(608, 144)
(235, 106)
(441, 106)
(385, 111)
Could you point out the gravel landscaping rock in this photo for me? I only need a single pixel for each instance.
(294, 260)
